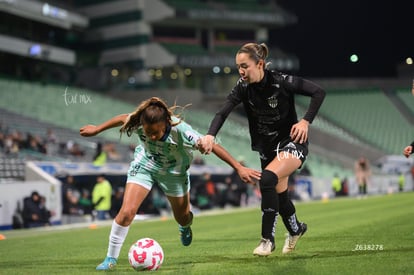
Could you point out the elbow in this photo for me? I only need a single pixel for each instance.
(321, 94)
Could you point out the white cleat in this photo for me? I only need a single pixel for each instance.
(290, 242)
(265, 248)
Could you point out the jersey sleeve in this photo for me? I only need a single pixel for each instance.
(188, 134)
(306, 87)
(232, 100)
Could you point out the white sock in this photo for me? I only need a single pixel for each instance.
(116, 239)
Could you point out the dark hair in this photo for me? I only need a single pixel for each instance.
(150, 111)
(255, 51)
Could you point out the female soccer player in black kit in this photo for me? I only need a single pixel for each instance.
(275, 132)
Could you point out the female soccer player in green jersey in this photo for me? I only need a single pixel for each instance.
(163, 157)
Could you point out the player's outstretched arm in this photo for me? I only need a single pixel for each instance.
(93, 130)
(248, 175)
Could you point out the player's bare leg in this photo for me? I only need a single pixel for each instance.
(184, 217)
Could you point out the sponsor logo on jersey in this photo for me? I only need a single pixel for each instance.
(291, 145)
(190, 136)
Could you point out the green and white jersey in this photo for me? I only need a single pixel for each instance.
(173, 155)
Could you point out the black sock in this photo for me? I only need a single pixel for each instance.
(269, 205)
(288, 213)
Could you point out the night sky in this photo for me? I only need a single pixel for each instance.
(381, 33)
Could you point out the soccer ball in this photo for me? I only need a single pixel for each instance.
(146, 254)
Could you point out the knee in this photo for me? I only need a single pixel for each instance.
(125, 216)
(268, 181)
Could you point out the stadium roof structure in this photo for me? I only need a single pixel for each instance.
(45, 13)
(119, 42)
(197, 34)
(15, 39)
(242, 14)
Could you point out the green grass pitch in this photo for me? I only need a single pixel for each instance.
(345, 236)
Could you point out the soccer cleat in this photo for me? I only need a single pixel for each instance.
(186, 235)
(108, 264)
(265, 248)
(290, 242)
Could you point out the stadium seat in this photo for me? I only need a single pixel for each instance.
(368, 115)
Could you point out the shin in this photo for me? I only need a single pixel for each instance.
(288, 213)
(270, 204)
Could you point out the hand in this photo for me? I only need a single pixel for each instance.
(205, 144)
(88, 131)
(299, 131)
(248, 175)
(407, 151)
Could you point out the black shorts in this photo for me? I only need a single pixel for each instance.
(285, 149)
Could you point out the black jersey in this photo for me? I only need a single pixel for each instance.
(270, 107)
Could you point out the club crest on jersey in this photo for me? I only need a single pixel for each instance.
(272, 101)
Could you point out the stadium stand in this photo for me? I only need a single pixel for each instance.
(51, 144)
(340, 117)
(407, 98)
(67, 107)
(24, 125)
(368, 115)
(184, 48)
(328, 127)
(11, 168)
(37, 107)
(71, 108)
(48, 107)
(187, 4)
